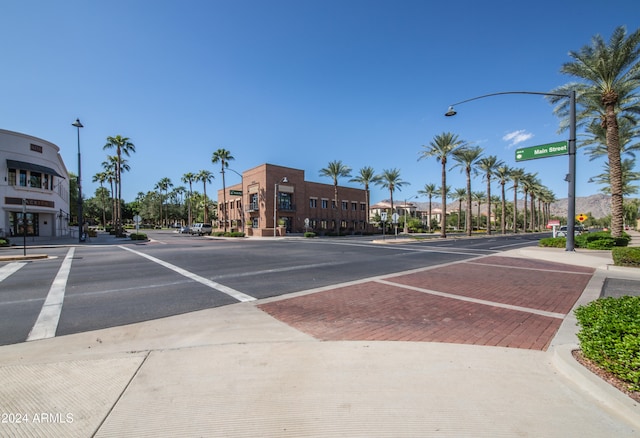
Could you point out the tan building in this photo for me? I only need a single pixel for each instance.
(299, 205)
(34, 189)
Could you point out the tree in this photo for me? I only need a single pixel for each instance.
(429, 190)
(467, 159)
(366, 176)
(102, 177)
(441, 147)
(488, 166)
(205, 176)
(628, 176)
(122, 146)
(460, 195)
(609, 77)
(336, 170)
(515, 175)
(189, 177)
(164, 185)
(527, 182)
(223, 157)
(503, 172)
(480, 198)
(390, 179)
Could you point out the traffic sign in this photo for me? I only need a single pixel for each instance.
(395, 217)
(137, 219)
(542, 151)
(582, 217)
(235, 192)
(383, 216)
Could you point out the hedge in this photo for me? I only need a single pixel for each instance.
(610, 336)
(626, 256)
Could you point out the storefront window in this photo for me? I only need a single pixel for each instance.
(16, 224)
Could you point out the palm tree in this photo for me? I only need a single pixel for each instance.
(429, 190)
(390, 179)
(366, 177)
(441, 147)
(610, 78)
(102, 177)
(459, 195)
(163, 185)
(336, 170)
(205, 177)
(596, 142)
(628, 176)
(479, 197)
(526, 182)
(122, 146)
(503, 172)
(488, 166)
(189, 177)
(515, 175)
(223, 157)
(467, 159)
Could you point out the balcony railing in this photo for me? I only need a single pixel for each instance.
(253, 206)
(286, 206)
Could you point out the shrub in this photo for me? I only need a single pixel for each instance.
(626, 256)
(553, 242)
(309, 234)
(610, 336)
(604, 243)
(233, 234)
(4, 241)
(138, 236)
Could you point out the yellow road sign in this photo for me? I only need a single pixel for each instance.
(582, 217)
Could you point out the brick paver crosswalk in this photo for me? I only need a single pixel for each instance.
(497, 301)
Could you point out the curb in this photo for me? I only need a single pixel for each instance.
(609, 397)
(13, 258)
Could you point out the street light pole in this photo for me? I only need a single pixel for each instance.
(79, 125)
(571, 176)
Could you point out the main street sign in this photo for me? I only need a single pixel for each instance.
(235, 192)
(542, 151)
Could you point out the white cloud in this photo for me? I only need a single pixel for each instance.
(517, 137)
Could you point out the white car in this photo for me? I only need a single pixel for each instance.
(577, 230)
(201, 229)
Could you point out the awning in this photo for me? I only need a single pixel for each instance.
(14, 164)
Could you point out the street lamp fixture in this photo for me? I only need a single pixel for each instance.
(81, 237)
(571, 176)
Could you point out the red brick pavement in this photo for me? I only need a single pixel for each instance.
(381, 311)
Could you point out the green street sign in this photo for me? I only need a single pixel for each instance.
(235, 192)
(542, 151)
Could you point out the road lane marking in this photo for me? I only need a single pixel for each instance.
(9, 269)
(212, 284)
(475, 300)
(47, 322)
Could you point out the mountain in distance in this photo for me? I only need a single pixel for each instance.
(597, 206)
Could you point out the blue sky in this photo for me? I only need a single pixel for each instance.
(295, 83)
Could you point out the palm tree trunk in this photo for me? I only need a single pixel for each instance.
(515, 209)
(615, 169)
(488, 205)
(443, 218)
(503, 215)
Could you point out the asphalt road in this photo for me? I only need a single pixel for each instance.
(86, 288)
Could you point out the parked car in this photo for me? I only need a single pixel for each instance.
(201, 229)
(577, 230)
(184, 230)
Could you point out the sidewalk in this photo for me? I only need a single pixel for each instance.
(236, 371)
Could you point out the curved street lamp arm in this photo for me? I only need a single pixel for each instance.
(513, 92)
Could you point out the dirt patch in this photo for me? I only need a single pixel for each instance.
(606, 375)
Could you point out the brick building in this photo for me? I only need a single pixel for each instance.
(300, 205)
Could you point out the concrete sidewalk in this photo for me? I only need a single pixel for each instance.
(235, 371)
